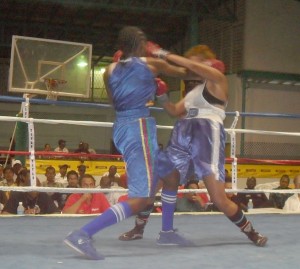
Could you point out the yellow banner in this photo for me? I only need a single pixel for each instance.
(264, 170)
(97, 168)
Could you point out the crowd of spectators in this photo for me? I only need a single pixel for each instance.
(51, 202)
(197, 202)
(94, 203)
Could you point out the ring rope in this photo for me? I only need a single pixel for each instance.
(232, 132)
(113, 156)
(119, 190)
(110, 124)
(85, 104)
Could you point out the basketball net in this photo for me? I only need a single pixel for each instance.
(54, 86)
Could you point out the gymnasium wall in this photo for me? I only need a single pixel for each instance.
(272, 36)
(265, 37)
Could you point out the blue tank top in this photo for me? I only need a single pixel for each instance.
(132, 85)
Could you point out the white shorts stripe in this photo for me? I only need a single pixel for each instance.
(215, 129)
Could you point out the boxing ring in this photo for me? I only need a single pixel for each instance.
(36, 241)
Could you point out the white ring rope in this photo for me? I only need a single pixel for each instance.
(119, 190)
(110, 124)
(231, 131)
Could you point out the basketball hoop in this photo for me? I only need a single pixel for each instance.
(54, 86)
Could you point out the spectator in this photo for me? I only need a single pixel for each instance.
(112, 197)
(113, 175)
(90, 150)
(34, 202)
(16, 166)
(73, 179)
(86, 203)
(47, 147)
(61, 146)
(81, 148)
(190, 202)
(73, 182)
(81, 171)
(61, 177)
(50, 182)
(259, 200)
(278, 199)
(293, 202)
(8, 174)
(1, 173)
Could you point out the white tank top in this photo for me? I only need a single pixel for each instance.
(197, 107)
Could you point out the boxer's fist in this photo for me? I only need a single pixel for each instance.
(217, 64)
(162, 87)
(161, 91)
(117, 56)
(155, 50)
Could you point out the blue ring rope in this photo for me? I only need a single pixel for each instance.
(85, 104)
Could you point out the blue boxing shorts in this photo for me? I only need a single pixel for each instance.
(197, 143)
(136, 139)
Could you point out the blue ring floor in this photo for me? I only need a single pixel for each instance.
(36, 242)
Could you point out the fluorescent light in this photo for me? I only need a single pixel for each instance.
(82, 64)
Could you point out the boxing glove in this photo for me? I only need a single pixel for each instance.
(117, 56)
(215, 63)
(162, 87)
(161, 91)
(156, 51)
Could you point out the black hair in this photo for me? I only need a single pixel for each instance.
(21, 176)
(87, 176)
(49, 168)
(190, 182)
(129, 40)
(285, 176)
(72, 172)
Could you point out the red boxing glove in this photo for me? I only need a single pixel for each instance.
(217, 64)
(151, 48)
(161, 91)
(117, 56)
(162, 87)
(155, 50)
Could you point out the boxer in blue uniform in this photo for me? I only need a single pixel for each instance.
(130, 84)
(198, 138)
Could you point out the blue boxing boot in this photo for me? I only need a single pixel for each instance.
(173, 238)
(82, 243)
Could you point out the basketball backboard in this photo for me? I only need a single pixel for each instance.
(45, 66)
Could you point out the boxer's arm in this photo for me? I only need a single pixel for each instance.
(201, 69)
(159, 66)
(175, 110)
(106, 75)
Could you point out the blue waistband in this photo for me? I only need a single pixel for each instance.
(133, 113)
